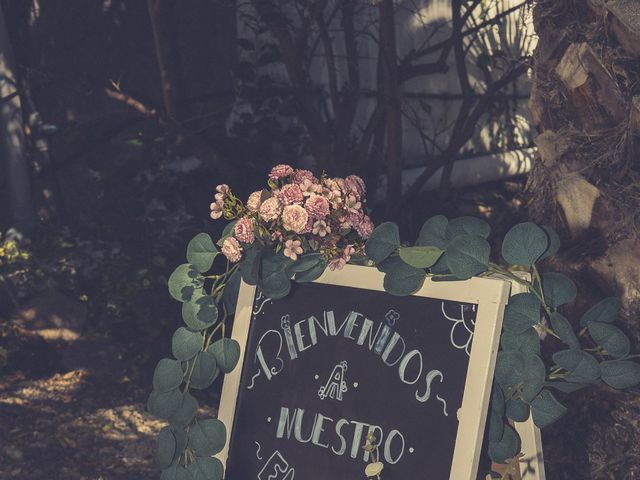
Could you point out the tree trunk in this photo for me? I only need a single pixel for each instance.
(12, 143)
(585, 103)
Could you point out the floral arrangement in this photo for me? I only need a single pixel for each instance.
(297, 214)
(299, 226)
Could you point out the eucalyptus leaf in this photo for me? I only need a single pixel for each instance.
(517, 410)
(467, 226)
(201, 252)
(440, 267)
(185, 282)
(611, 338)
(164, 404)
(433, 233)
(605, 311)
(227, 231)
(167, 375)
(620, 374)
(389, 263)
(546, 409)
(521, 313)
(384, 240)
(200, 313)
(275, 280)
(186, 413)
(186, 343)
(507, 448)
(165, 447)
(249, 266)
(206, 468)
(306, 262)
(176, 472)
(420, 257)
(524, 244)
(468, 255)
(208, 437)
(496, 414)
(227, 353)
(554, 242)
(313, 267)
(583, 367)
(403, 279)
(558, 289)
(514, 368)
(527, 342)
(564, 330)
(567, 387)
(205, 370)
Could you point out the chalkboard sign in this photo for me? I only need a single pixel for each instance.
(340, 358)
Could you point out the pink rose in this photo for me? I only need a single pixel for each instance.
(290, 194)
(231, 249)
(270, 209)
(292, 248)
(245, 230)
(317, 206)
(216, 210)
(254, 201)
(280, 171)
(294, 218)
(300, 176)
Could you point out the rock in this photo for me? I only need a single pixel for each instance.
(577, 198)
(625, 23)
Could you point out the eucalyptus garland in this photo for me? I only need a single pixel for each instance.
(299, 226)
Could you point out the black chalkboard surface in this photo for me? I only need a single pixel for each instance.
(329, 364)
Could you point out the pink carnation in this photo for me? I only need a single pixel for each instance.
(280, 171)
(245, 230)
(295, 218)
(300, 176)
(364, 227)
(254, 201)
(290, 194)
(355, 185)
(231, 249)
(270, 209)
(317, 206)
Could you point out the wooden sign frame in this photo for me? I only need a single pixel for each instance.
(490, 294)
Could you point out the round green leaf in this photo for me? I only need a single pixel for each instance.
(164, 404)
(521, 313)
(403, 279)
(440, 267)
(517, 410)
(583, 367)
(558, 289)
(526, 342)
(567, 387)
(506, 448)
(310, 268)
(546, 409)
(187, 411)
(620, 374)
(208, 437)
(227, 353)
(514, 368)
(554, 242)
(167, 375)
(384, 240)
(205, 371)
(564, 330)
(165, 447)
(611, 338)
(186, 343)
(249, 266)
(467, 255)
(275, 280)
(420, 257)
(306, 262)
(185, 282)
(201, 312)
(524, 244)
(467, 226)
(206, 468)
(176, 472)
(433, 233)
(496, 414)
(201, 252)
(227, 231)
(605, 311)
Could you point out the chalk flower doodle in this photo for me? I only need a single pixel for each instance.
(463, 326)
(392, 317)
(276, 468)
